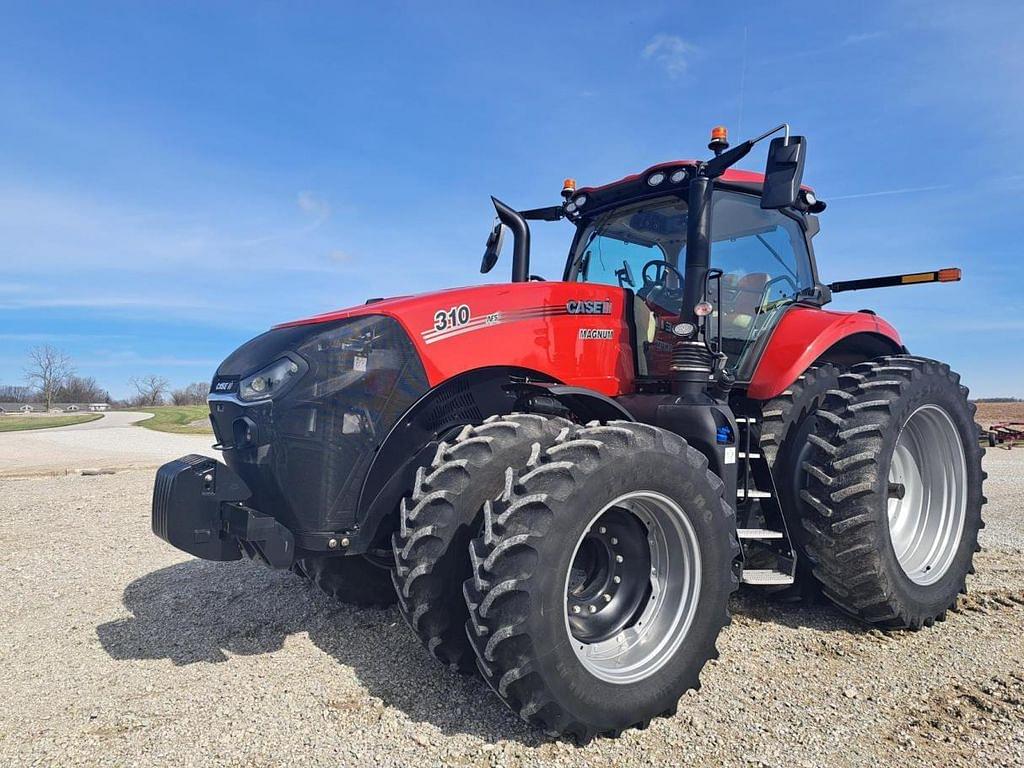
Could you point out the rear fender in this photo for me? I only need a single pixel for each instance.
(806, 335)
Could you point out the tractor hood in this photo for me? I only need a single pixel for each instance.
(571, 332)
(301, 411)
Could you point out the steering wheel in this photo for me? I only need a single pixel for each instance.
(655, 289)
(661, 270)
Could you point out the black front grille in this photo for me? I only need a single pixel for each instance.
(315, 444)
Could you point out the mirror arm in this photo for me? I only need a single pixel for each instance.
(717, 166)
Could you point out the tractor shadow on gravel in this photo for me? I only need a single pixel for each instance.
(201, 612)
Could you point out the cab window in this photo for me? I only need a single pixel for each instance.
(765, 266)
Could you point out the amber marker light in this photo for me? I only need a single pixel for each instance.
(719, 139)
(950, 275)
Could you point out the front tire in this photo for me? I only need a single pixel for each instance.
(895, 492)
(353, 579)
(441, 516)
(601, 580)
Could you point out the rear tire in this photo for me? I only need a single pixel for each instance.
(633, 492)
(441, 516)
(353, 579)
(895, 492)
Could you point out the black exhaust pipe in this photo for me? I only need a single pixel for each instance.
(512, 219)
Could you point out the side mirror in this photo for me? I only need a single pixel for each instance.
(493, 248)
(783, 172)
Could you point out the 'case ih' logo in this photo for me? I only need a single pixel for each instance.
(581, 307)
(225, 385)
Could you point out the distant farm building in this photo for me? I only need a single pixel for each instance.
(20, 408)
(65, 407)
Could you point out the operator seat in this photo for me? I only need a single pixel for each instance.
(741, 298)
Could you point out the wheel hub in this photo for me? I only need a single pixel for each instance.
(927, 504)
(632, 589)
(610, 576)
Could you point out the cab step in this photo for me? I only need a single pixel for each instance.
(766, 578)
(752, 494)
(758, 533)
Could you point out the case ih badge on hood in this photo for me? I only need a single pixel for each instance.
(565, 492)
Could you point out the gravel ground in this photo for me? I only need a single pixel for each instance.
(108, 443)
(117, 649)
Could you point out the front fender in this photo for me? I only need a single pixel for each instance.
(805, 334)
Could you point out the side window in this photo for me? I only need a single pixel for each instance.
(765, 266)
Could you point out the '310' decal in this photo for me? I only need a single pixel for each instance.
(444, 319)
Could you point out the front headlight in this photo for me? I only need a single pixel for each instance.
(270, 381)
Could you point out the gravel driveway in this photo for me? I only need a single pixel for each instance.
(108, 443)
(117, 649)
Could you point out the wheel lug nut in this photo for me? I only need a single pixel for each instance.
(592, 608)
(606, 597)
(602, 530)
(617, 579)
(575, 609)
(618, 558)
(614, 541)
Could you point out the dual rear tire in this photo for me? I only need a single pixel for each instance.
(894, 492)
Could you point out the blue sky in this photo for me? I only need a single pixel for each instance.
(178, 177)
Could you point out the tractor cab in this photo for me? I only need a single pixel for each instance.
(761, 262)
(709, 257)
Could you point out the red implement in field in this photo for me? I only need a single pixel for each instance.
(1006, 434)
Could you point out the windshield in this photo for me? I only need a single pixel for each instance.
(636, 247)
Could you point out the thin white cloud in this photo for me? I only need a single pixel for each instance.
(104, 302)
(62, 336)
(671, 52)
(153, 362)
(857, 38)
(885, 192)
(313, 205)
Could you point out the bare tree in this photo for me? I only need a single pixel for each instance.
(48, 368)
(81, 389)
(194, 394)
(150, 388)
(13, 393)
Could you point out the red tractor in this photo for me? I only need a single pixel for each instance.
(561, 483)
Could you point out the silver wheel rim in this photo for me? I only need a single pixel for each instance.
(927, 495)
(651, 639)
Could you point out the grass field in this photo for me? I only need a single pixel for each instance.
(19, 423)
(180, 419)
